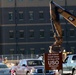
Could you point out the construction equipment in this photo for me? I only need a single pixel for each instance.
(55, 11)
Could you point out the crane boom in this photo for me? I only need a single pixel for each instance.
(55, 11)
(67, 15)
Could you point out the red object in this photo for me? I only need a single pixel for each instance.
(12, 71)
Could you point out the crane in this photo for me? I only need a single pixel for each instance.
(55, 11)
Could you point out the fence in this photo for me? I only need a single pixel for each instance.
(18, 56)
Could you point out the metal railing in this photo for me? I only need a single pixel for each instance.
(18, 56)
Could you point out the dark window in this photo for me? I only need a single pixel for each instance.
(72, 33)
(22, 50)
(10, 0)
(42, 50)
(20, 15)
(20, 0)
(34, 62)
(31, 15)
(41, 15)
(21, 35)
(61, 17)
(51, 34)
(3, 66)
(10, 15)
(74, 58)
(72, 49)
(31, 34)
(62, 32)
(30, 0)
(11, 51)
(11, 34)
(32, 51)
(41, 33)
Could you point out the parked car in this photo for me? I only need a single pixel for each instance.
(30, 67)
(69, 65)
(4, 70)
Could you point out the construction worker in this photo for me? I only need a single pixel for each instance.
(5, 60)
(64, 54)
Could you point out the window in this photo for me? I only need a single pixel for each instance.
(21, 33)
(31, 34)
(20, 15)
(74, 57)
(66, 60)
(22, 50)
(62, 32)
(51, 33)
(74, 12)
(72, 49)
(3, 66)
(31, 15)
(20, 0)
(11, 34)
(71, 11)
(60, 0)
(42, 50)
(41, 15)
(32, 50)
(30, 0)
(10, 15)
(11, 51)
(34, 63)
(10, 0)
(41, 33)
(61, 17)
(72, 33)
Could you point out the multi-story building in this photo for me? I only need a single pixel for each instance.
(25, 26)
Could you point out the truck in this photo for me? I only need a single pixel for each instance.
(30, 67)
(69, 64)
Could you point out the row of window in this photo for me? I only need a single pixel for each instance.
(21, 15)
(31, 0)
(30, 15)
(41, 33)
(31, 34)
(13, 0)
(32, 50)
(23, 0)
(42, 50)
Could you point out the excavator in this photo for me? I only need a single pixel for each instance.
(55, 12)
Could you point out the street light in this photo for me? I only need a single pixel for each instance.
(66, 26)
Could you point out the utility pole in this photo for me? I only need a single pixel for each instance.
(16, 37)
